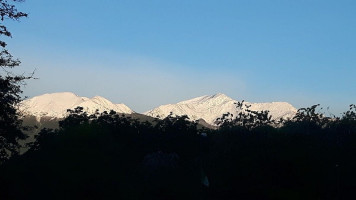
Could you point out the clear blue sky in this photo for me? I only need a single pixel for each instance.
(149, 52)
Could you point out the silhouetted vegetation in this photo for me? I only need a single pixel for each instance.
(309, 157)
(109, 155)
(10, 87)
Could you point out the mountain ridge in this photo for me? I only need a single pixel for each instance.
(55, 105)
(207, 107)
(211, 107)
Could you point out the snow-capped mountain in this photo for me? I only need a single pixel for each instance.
(211, 107)
(55, 105)
(208, 108)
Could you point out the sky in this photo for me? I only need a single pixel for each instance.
(148, 53)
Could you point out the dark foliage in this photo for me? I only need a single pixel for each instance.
(10, 87)
(108, 155)
(246, 119)
(307, 157)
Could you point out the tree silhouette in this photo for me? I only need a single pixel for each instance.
(246, 118)
(112, 156)
(10, 86)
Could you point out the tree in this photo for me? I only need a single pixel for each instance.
(246, 118)
(10, 86)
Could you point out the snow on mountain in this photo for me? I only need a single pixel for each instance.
(208, 108)
(55, 105)
(211, 107)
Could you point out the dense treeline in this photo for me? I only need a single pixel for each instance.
(107, 155)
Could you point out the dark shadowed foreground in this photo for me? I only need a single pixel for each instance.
(110, 156)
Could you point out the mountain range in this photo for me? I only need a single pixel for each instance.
(207, 108)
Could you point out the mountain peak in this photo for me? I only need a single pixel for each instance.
(55, 105)
(57, 95)
(208, 99)
(100, 99)
(220, 96)
(211, 107)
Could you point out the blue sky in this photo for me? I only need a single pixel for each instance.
(147, 53)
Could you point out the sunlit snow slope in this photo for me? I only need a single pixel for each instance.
(212, 107)
(55, 105)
